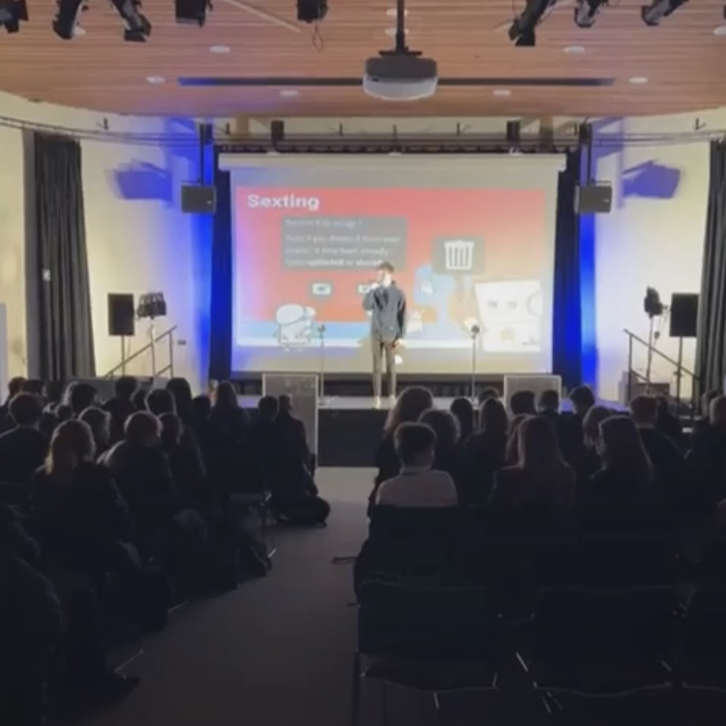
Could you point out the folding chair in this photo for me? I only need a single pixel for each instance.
(600, 644)
(428, 638)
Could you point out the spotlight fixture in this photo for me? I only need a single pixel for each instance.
(311, 11)
(192, 12)
(12, 13)
(652, 14)
(587, 11)
(138, 28)
(66, 17)
(522, 29)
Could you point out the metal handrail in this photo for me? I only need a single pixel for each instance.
(167, 333)
(655, 350)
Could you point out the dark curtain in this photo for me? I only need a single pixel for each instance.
(64, 298)
(711, 346)
(567, 318)
(220, 344)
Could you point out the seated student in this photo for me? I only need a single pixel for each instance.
(120, 406)
(291, 430)
(417, 484)
(80, 396)
(668, 423)
(588, 462)
(463, 412)
(511, 450)
(24, 447)
(201, 408)
(486, 394)
(15, 386)
(99, 421)
(447, 451)
(539, 490)
(188, 475)
(522, 403)
(620, 498)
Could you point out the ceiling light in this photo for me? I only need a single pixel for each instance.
(720, 30)
(12, 13)
(522, 28)
(652, 14)
(289, 92)
(501, 92)
(155, 80)
(637, 80)
(587, 11)
(219, 49)
(574, 49)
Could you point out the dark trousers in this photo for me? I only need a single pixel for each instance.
(383, 349)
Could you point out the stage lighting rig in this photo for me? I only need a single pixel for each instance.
(138, 28)
(522, 29)
(652, 14)
(311, 11)
(192, 12)
(66, 17)
(587, 11)
(12, 13)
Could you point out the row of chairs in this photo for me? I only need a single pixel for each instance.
(444, 639)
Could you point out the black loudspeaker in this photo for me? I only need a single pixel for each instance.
(121, 315)
(593, 199)
(199, 199)
(684, 315)
(277, 131)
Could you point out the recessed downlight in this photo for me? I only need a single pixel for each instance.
(289, 92)
(720, 30)
(219, 49)
(574, 49)
(391, 32)
(637, 80)
(501, 93)
(155, 80)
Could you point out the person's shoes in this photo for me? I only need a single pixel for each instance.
(377, 403)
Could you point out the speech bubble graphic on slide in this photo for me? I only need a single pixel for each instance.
(321, 289)
(295, 325)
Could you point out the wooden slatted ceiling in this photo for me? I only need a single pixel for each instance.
(683, 60)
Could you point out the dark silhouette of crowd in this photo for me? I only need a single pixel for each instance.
(556, 520)
(112, 513)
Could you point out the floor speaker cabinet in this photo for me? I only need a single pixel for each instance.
(198, 199)
(121, 315)
(593, 199)
(535, 383)
(684, 315)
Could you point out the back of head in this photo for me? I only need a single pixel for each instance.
(415, 444)
(644, 410)
(463, 411)
(409, 406)
(225, 395)
(15, 386)
(138, 399)
(267, 407)
(591, 423)
(35, 386)
(622, 448)
(171, 429)
(81, 396)
(522, 402)
(444, 424)
(285, 404)
(201, 406)
(549, 400)
(26, 409)
(161, 401)
(512, 450)
(99, 422)
(488, 393)
(125, 387)
(583, 399)
(539, 450)
(71, 445)
(493, 417)
(182, 392)
(717, 412)
(142, 429)
(63, 413)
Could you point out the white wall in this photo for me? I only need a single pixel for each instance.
(134, 245)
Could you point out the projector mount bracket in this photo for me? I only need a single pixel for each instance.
(400, 48)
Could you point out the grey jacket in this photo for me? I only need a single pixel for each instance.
(388, 308)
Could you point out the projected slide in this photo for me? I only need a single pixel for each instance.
(304, 257)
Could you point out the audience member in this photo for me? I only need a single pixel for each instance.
(121, 406)
(538, 492)
(549, 402)
(446, 428)
(511, 451)
(81, 396)
(522, 403)
(587, 464)
(182, 392)
(582, 399)
(24, 447)
(187, 468)
(463, 411)
(291, 431)
(486, 394)
(667, 423)
(138, 400)
(620, 498)
(417, 484)
(99, 422)
(409, 406)
(201, 408)
(15, 386)
(706, 461)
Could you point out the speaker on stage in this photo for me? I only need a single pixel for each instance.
(121, 315)
(684, 315)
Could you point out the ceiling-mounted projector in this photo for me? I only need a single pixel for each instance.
(400, 77)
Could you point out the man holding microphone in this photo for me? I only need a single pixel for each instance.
(386, 304)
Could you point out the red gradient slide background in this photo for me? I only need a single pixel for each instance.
(510, 221)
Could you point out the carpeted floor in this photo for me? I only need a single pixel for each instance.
(278, 652)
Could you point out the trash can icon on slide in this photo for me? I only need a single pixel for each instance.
(457, 255)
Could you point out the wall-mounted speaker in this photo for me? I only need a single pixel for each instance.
(594, 198)
(684, 315)
(198, 199)
(121, 315)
